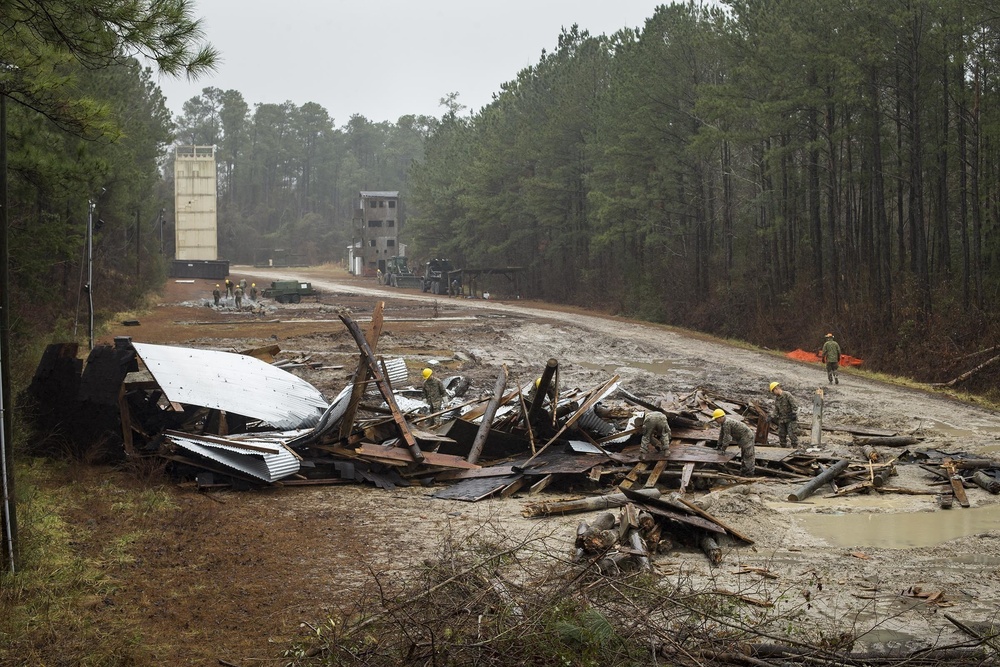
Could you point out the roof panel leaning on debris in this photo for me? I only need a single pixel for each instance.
(235, 383)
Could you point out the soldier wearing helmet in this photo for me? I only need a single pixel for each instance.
(733, 431)
(253, 291)
(216, 294)
(785, 414)
(434, 392)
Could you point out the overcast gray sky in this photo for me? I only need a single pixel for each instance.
(386, 58)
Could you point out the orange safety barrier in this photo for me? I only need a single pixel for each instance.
(802, 355)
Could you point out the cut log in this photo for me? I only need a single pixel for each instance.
(985, 482)
(945, 500)
(711, 549)
(870, 453)
(583, 504)
(541, 391)
(891, 441)
(819, 480)
(601, 540)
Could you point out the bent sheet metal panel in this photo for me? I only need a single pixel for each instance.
(235, 383)
(270, 466)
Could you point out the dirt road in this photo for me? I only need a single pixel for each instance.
(849, 562)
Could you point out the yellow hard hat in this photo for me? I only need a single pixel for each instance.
(253, 284)
(773, 385)
(426, 373)
(216, 284)
(718, 414)
(538, 381)
(829, 335)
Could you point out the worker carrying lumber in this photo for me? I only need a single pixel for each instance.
(656, 431)
(830, 354)
(733, 431)
(785, 414)
(434, 392)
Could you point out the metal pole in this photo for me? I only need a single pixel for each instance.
(90, 269)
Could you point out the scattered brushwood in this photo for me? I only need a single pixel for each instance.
(510, 602)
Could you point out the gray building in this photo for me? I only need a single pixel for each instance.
(377, 222)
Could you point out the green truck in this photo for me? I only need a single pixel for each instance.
(288, 291)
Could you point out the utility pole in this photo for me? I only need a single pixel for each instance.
(89, 287)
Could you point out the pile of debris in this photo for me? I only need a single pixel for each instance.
(244, 420)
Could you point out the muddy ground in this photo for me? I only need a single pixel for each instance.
(233, 575)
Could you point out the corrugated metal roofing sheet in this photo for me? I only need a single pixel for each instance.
(232, 451)
(235, 383)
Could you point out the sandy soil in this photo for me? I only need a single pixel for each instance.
(234, 574)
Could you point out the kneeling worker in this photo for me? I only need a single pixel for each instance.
(656, 430)
(732, 431)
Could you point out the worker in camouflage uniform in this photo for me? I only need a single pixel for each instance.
(253, 291)
(830, 354)
(733, 431)
(216, 294)
(655, 430)
(238, 295)
(434, 392)
(785, 414)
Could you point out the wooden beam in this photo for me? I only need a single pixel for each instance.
(383, 387)
(361, 374)
(491, 410)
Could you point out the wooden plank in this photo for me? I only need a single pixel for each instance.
(686, 476)
(631, 478)
(654, 476)
(595, 473)
(513, 487)
(398, 455)
(491, 471)
(540, 485)
(956, 483)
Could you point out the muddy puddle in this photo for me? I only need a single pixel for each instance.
(900, 531)
(947, 430)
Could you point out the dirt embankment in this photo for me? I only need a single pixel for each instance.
(232, 572)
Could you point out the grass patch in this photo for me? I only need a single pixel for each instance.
(58, 607)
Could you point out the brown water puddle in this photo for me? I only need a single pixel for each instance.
(900, 531)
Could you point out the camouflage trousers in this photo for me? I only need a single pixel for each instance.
(748, 459)
(788, 430)
(831, 372)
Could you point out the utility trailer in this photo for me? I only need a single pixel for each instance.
(288, 291)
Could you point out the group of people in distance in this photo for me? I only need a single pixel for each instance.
(732, 431)
(236, 291)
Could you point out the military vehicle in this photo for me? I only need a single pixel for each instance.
(288, 291)
(398, 274)
(436, 276)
